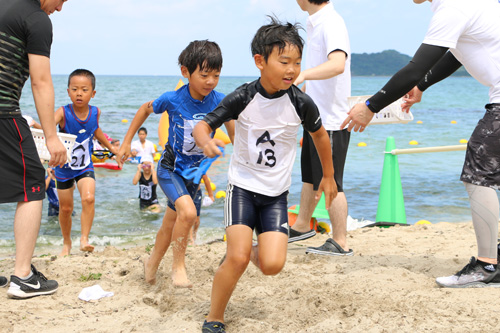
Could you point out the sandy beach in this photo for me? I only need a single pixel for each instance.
(387, 286)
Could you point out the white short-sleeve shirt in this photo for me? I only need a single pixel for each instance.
(471, 30)
(148, 149)
(326, 32)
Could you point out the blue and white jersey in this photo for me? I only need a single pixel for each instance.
(184, 112)
(81, 160)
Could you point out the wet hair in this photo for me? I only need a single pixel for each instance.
(318, 2)
(276, 34)
(142, 129)
(83, 72)
(203, 53)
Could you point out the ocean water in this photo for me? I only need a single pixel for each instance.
(431, 186)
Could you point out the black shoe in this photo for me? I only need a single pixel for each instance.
(213, 327)
(294, 235)
(36, 285)
(3, 281)
(330, 248)
(473, 275)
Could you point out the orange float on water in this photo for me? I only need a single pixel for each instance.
(164, 125)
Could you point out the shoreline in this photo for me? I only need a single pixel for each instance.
(387, 286)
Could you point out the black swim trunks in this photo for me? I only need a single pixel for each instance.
(482, 160)
(22, 173)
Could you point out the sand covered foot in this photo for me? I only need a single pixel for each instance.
(86, 247)
(180, 279)
(66, 250)
(149, 273)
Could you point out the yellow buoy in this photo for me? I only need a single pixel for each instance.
(419, 122)
(124, 120)
(362, 144)
(224, 238)
(463, 141)
(212, 185)
(423, 222)
(220, 194)
(325, 226)
(413, 142)
(453, 121)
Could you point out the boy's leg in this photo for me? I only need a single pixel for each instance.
(186, 217)
(163, 239)
(26, 226)
(65, 220)
(86, 187)
(270, 253)
(239, 247)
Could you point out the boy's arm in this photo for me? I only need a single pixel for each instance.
(153, 172)
(327, 185)
(43, 94)
(230, 130)
(201, 134)
(334, 66)
(140, 117)
(208, 186)
(99, 135)
(137, 175)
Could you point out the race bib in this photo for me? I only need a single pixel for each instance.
(80, 156)
(145, 192)
(189, 147)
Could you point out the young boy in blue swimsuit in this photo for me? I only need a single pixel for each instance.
(81, 119)
(268, 114)
(201, 63)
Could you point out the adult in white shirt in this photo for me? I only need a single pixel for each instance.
(143, 146)
(328, 82)
(461, 32)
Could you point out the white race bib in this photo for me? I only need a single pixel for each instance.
(80, 156)
(189, 147)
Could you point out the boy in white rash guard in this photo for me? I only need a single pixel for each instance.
(268, 113)
(461, 32)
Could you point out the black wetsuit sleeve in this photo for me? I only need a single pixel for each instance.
(229, 108)
(408, 77)
(306, 109)
(444, 68)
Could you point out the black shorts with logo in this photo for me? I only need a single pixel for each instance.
(22, 176)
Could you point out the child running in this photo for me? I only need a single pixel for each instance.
(146, 177)
(201, 63)
(81, 119)
(268, 113)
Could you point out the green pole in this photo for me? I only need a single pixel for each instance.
(391, 205)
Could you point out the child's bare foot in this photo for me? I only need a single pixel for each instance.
(85, 246)
(180, 279)
(65, 250)
(149, 274)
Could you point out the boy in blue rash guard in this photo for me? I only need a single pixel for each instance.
(268, 113)
(81, 119)
(201, 63)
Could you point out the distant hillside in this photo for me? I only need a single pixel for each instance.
(384, 63)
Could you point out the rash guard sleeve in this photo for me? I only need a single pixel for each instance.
(426, 57)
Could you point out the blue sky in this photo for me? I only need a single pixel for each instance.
(145, 37)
